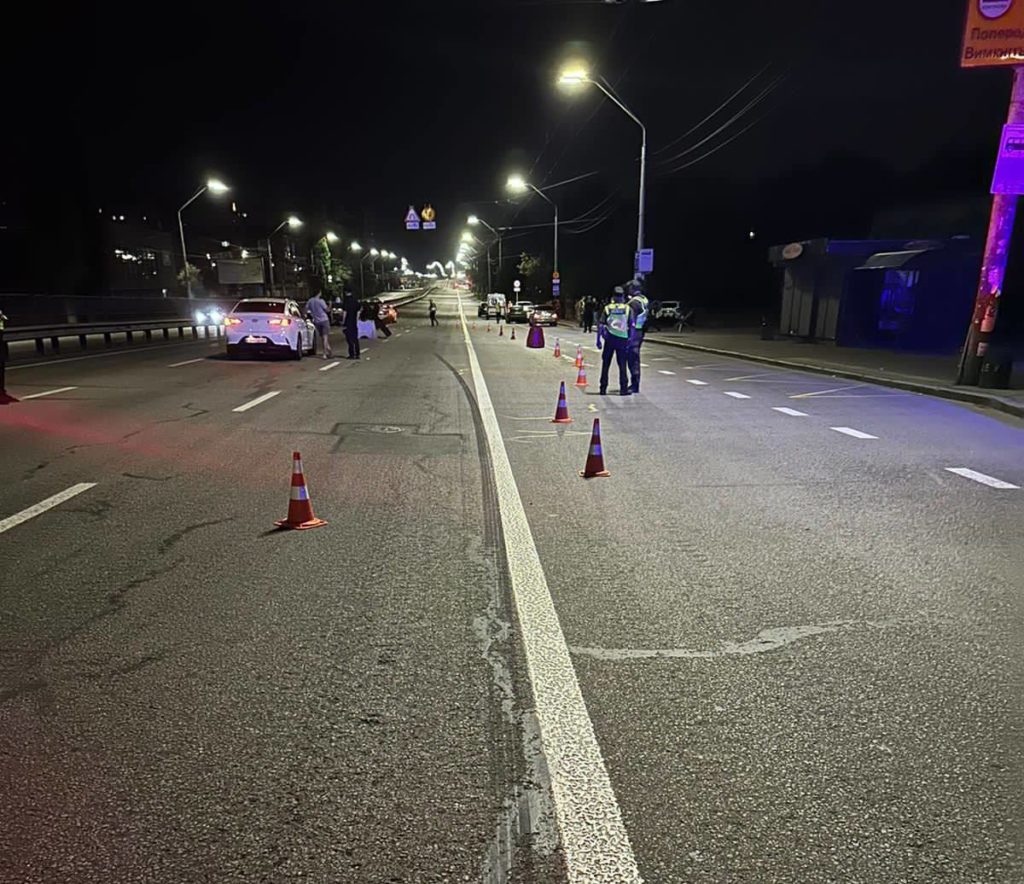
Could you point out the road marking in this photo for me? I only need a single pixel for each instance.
(736, 395)
(594, 838)
(749, 377)
(257, 401)
(118, 352)
(44, 505)
(47, 393)
(980, 477)
(696, 383)
(663, 371)
(825, 392)
(591, 407)
(792, 412)
(850, 431)
(186, 362)
(329, 366)
(644, 365)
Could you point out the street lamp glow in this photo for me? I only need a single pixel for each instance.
(374, 252)
(294, 223)
(516, 184)
(467, 236)
(355, 247)
(473, 220)
(573, 76)
(331, 237)
(215, 185)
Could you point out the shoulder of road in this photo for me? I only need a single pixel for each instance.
(917, 373)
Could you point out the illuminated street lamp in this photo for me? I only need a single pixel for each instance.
(293, 223)
(373, 253)
(578, 77)
(215, 186)
(473, 220)
(518, 184)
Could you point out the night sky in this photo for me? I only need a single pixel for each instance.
(347, 112)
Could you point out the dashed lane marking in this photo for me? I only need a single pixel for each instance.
(329, 366)
(594, 838)
(736, 395)
(47, 393)
(44, 505)
(792, 412)
(696, 383)
(258, 400)
(850, 431)
(665, 371)
(992, 482)
(186, 362)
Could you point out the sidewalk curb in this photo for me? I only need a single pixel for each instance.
(955, 393)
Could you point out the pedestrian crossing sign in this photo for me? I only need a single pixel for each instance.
(412, 219)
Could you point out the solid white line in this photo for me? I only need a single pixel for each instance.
(329, 366)
(186, 362)
(736, 395)
(663, 371)
(980, 477)
(47, 393)
(44, 505)
(118, 352)
(593, 836)
(257, 401)
(850, 431)
(696, 383)
(792, 412)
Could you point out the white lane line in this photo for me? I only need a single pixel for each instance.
(792, 412)
(118, 352)
(257, 401)
(329, 366)
(663, 371)
(980, 477)
(47, 393)
(850, 431)
(44, 505)
(696, 383)
(736, 395)
(644, 365)
(186, 362)
(594, 838)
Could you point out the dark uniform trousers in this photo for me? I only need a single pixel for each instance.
(614, 346)
(352, 339)
(633, 361)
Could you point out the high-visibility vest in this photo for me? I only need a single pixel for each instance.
(616, 319)
(641, 313)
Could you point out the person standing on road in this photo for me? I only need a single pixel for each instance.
(317, 308)
(350, 322)
(638, 312)
(588, 314)
(613, 330)
(433, 313)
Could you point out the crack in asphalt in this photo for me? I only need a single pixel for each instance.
(168, 542)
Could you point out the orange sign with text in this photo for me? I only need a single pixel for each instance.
(993, 34)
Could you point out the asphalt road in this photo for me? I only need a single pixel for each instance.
(798, 647)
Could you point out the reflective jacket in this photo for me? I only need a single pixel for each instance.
(640, 307)
(616, 319)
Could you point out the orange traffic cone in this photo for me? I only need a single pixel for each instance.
(595, 457)
(488, 326)
(579, 355)
(513, 334)
(562, 411)
(581, 376)
(300, 509)
(558, 349)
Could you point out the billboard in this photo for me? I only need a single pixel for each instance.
(240, 271)
(993, 33)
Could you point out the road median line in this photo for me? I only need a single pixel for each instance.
(44, 505)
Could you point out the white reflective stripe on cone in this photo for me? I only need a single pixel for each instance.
(299, 492)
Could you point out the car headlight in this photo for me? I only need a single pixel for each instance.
(200, 317)
(217, 316)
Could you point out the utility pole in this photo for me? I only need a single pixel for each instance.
(993, 263)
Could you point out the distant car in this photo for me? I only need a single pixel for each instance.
(521, 312)
(543, 315)
(670, 310)
(268, 325)
(337, 314)
(209, 316)
(482, 310)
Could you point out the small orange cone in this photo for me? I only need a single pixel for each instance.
(488, 326)
(300, 508)
(595, 457)
(562, 411)
(513, 333)
(581, 377)
(579, 355)
(558, 349)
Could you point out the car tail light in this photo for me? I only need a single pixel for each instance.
(284, 320)
(232, 320)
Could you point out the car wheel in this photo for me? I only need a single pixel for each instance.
(312, 346)
(297, 352)
(232, 351)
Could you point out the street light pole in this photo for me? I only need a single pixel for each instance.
(181, 231)
(292, 222)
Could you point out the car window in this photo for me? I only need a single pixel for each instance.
(259, 307)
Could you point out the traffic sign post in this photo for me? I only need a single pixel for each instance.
(412, 220)
(643, 261)
(429, 217)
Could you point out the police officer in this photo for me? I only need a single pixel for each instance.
(613, 328)
(639, 309)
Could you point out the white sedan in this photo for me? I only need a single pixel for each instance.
(268, 325)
